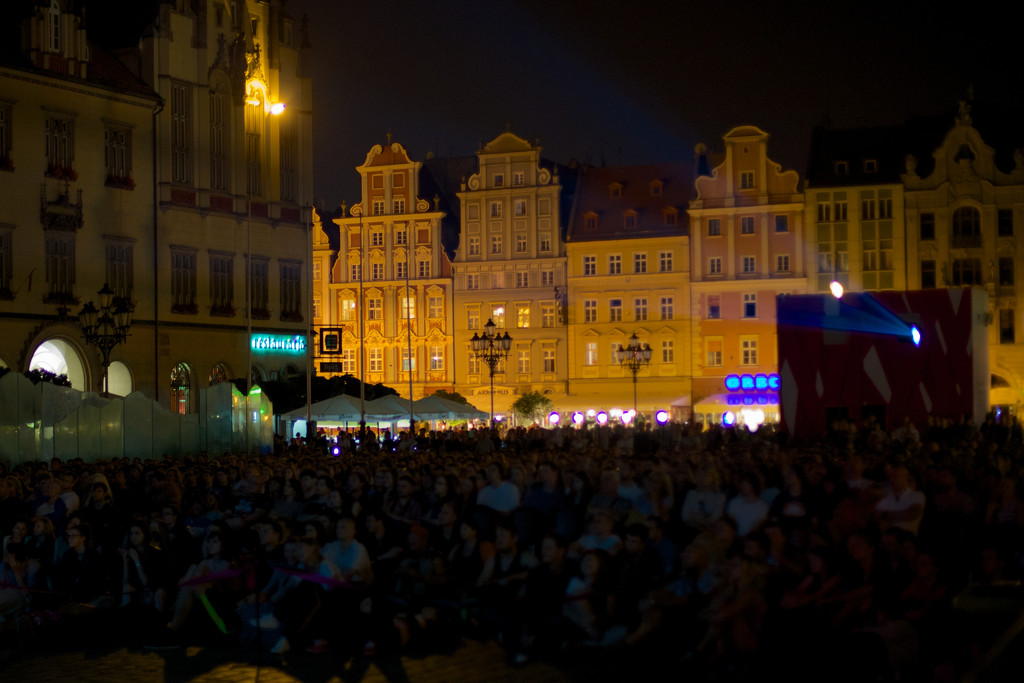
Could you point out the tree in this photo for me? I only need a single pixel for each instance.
(451, 396)
(531, 406)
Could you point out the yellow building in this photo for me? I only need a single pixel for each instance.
(629, 274)
(187, 105)
(748, 236)
(510, 268)
(386, 287)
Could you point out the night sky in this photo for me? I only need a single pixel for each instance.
(601, 84)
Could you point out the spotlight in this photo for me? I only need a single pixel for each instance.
(836, 288)
(915, 335)
(661, 416)
(729, 419)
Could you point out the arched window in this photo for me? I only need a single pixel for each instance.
(966, 227)
(181, 389)
(218, 374)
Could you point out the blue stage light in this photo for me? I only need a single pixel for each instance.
(915, 335)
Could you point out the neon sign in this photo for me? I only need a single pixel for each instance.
(759, 382)
(281, 343)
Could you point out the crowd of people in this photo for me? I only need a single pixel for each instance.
(722, 548)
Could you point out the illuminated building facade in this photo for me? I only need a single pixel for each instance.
(747, 234)
(165, 175)
(383, 279)
(629, 273)
(509, 267)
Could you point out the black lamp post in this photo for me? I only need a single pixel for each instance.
(106, 327)
(491, 347)
(634, 356)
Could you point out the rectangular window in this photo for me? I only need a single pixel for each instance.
(497, 280)
(884, 204)
(640, 308)
(749, 264)
(378, 207)
(714, 227)
(424, 268)
(473, 366)
(496, 244)
(927, 226)
(523, 315)
(748, 351)
(747, 180)
(590, 353)
(291, 291)
(615, 264)
(518, 178)
(472, 281)
(713, 353)
(498, 314)
(348, 309)
(640, 263)
(181, 133)
(400, 236)
(590, 265)
(668, 351)
(495, 209)
(376, 271)
(824, 209)
(547, 316)
(222, 288)
(398, 205)
(747, 225)
(117, 153)
(472, 318)
(715, 266)
(520, 244)
(782, 263)
(928, 274)
(435, 307)
(407, 306)
(782, 224)
(437, 358)
(474, 246)
(667, 308)
(839, 207)
(260, 288)
(348, 361)
(519, 207)
(1007, 334)
(316, 307)
(119, 269)
(615, 310)
(1004, 222)
(714, 307)
(376, 238)
(401, 270)
(750, 305)
(545, 243)
(967, 272)
(60, 265)
(523, 361)
(590, 311)
(867, 206)
(665, 262)
(547, 278)
(549, 360)
(60, 145)
(1006, 271)
(522, 279)
(374, 308)
(377, 360)
(408, 360)
(183, 281)
(499, 180)
(355, 272)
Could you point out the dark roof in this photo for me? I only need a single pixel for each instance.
(595, 199)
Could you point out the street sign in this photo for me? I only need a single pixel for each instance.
(332, 366)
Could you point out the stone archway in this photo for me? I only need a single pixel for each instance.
(61, 358)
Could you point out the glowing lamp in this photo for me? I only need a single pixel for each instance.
(836, 288)
(602, 417)
(915, 335)
(277, 108)
(729, 418)
(554, 418)
(661, 416)
(627, 417)
(578, 418)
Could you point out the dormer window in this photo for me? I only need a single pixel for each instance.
(656, 188)
(841, 167)
(53, 28)
(671, 216)
(615, 190)
(590, 221)
(871, 166)
(629, 220)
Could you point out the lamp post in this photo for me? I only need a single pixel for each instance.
(634, 356)
(491, 347)
(106, 327)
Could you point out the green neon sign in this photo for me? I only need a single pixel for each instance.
(278, 343)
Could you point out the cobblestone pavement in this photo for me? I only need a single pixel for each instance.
(473, 661)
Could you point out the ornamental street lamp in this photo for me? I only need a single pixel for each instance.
(634, 356)
(106, 327)
(491, 347)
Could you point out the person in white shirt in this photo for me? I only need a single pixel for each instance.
(499, 495)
